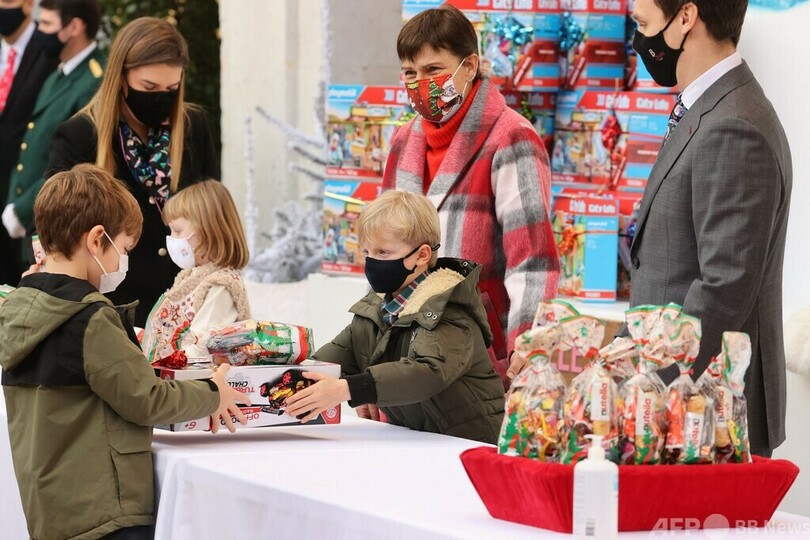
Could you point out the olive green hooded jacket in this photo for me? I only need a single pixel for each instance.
(81, 400)
(430, 370)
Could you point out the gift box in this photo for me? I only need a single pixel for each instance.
(267, 386)
(608, 140)
(342, 202)
(586, 232)
(361, 121)
(592, 43)
(628, 217)
(4, 291)
(537, 107)
(518, 39)
(660, 498)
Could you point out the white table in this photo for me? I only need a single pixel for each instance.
(357, 480)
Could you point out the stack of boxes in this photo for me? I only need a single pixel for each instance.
(566, 65)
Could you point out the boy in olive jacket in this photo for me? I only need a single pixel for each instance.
(80, 395)
(418, 345)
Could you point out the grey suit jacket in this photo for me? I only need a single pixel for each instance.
(711, 235)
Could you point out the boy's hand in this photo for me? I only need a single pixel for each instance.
(369, 412)
(33, 269)
(228, 399)
(326, 393)
(516, 364)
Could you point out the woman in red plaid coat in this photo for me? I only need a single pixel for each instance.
(483, 166)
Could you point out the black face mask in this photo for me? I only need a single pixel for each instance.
(388, 276)
(10, 20)
(660, 59)
(51, 44)
(151, 108)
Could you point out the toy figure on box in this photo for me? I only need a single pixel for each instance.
(208, 243)
(484, 168)
(712, 224)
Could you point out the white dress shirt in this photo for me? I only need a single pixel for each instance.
(19, 46)
(693, 92)
(69, 65)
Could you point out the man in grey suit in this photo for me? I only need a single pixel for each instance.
(712, 223)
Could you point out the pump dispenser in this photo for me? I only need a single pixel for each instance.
(596, 495)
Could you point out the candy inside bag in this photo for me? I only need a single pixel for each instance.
(591, 401)
(731, 409)
(534, 403)
(253, 342)
(690, 404)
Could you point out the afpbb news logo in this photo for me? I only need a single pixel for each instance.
(718, 527)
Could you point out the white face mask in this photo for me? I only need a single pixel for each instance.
(110, 281)
(181, 251)
(449, 92)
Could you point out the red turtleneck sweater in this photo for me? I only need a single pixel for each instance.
(439, 137)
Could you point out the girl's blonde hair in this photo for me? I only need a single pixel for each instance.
(401, 216)
(143, 42)
(210, 208)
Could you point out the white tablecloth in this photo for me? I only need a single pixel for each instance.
(357, 480)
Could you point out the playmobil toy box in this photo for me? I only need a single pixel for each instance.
(592, 43)
(361, 121)
(267, 386)
(608, 139)
(538, 108)
(518, 39)
(586, 231)
(342, 202)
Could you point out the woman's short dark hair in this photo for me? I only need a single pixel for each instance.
(442, 28)
(723, 18)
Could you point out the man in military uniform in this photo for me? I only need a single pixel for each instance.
(70, 27)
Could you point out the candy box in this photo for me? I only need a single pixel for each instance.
(517, 39)
(586, 231)
(592, 43)
(361, 121)
(267, 387)
(608, 140)
(343, 200)
(538, 108)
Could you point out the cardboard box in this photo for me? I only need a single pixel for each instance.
(361, 121)
(518, 39)
(581, 159)
(628, 217)
(586, 231)
(598, 60)
(267, 387)
(539, 108)
(342, 202)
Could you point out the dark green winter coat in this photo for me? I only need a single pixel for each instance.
(81, 401)
(430, 371)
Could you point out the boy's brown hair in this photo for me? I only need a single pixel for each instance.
(210, 208)
(72, 202)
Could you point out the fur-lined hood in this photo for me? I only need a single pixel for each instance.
(451, 283)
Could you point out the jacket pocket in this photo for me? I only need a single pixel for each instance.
(131, 452)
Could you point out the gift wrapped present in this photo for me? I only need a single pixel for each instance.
(253, 342)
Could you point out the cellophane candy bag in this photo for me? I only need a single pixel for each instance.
(590, 403)
(552, 312)
(728, 372)
(690, 404)
(251, 342)
(534, 403)
(643, 411)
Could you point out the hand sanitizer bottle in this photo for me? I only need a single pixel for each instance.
(596, 495)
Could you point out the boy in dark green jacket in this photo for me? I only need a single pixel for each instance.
(80, 395)
(418, 345)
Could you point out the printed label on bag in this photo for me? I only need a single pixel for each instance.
(600, 400)
(724, 407)
(645, 403)
(693, 428)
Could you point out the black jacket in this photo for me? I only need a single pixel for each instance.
(151, 271)
(35, 66)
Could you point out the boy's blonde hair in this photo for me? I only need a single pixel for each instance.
(401, 216)
(210, 208)
(73, 202)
